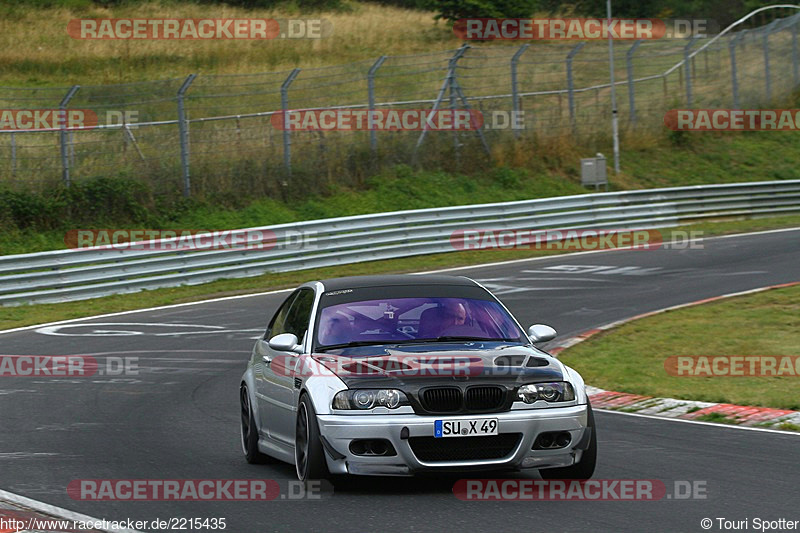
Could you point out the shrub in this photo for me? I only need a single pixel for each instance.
(452, 10)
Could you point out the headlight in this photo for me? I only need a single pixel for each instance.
(559, 391)
(369, 398)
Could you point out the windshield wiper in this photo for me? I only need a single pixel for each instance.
(444, 338)
(449, 338)
(354, 344)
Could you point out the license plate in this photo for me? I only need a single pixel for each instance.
(475, 427)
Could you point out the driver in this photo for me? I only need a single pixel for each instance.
(453, 314)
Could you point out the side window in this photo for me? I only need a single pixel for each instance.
(277, 324)
(299, 314)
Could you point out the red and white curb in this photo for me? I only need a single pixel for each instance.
(763, 417)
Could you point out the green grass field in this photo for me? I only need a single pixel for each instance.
(631, 358)
(35, 48)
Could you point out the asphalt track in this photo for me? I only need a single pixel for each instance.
(178, 419)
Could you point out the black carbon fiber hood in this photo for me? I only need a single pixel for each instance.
(417, 368)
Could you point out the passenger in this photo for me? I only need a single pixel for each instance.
(336, 330)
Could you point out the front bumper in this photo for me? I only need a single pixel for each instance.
(339, 430)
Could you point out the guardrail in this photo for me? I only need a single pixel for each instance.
(64, 275)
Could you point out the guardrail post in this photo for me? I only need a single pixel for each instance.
(631, 90)
(373, 138)
(448, 82)
(570, 86)
(765, 42)
(183, 129)
(63, 137)
(688, 66)
(734, 80)
(515, 102)
(287, 141)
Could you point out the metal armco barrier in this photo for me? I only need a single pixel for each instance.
(65, 275)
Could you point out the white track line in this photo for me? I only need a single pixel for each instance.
(571, 254)
(120, 313)
(702, 423)
(46, 508)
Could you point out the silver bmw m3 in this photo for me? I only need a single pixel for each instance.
(395, 375)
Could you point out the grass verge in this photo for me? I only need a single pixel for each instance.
(36, 49)
(11, 317)
(631, 358)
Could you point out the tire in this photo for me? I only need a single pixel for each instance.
(309, 457)
(249, 431)
(582, 470)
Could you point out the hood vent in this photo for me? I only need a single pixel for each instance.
(506, 361)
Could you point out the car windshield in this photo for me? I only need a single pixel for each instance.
(396, 320)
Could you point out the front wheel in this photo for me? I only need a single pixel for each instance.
(582, 470)
(309, 457)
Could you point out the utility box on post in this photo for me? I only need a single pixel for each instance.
(593, 171)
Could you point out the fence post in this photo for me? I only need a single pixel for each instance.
(373, 138)
(448, 82)
(183, 129)
(629, 67)
(71, 146)
(515, 103)
(570, 85)
(734, 81)
(765, 42)
(688, 66)
(13, 156)
(456, 151)
(287, 141)
(63, 137)
(795, 73)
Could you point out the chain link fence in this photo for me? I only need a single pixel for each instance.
(215, 133)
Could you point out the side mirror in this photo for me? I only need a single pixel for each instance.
(541, 333)
(285, 342)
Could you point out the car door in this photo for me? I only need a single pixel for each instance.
(277, 378)
(266, 386)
